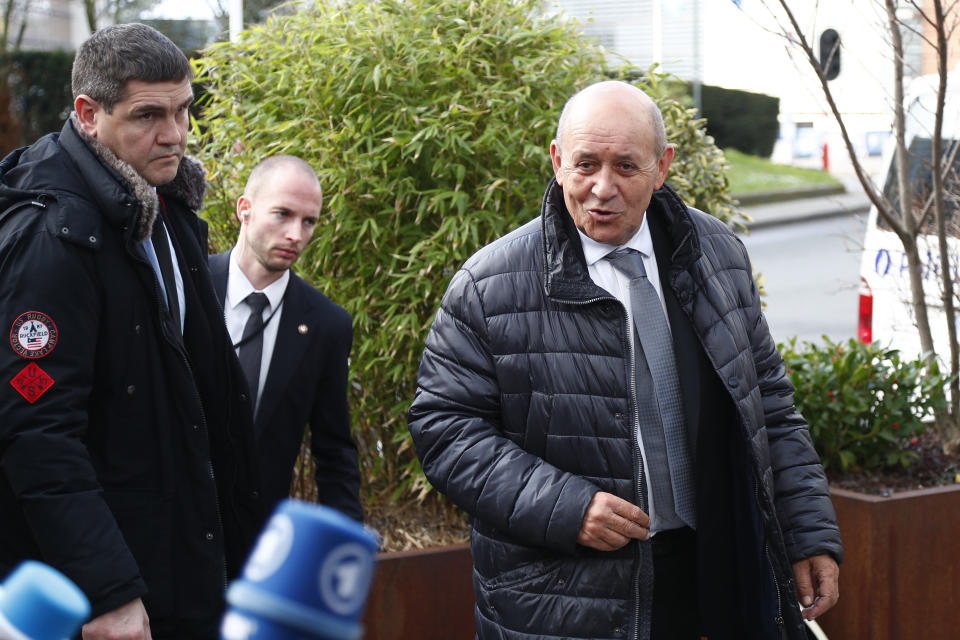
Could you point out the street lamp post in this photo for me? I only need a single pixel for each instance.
(236, 19)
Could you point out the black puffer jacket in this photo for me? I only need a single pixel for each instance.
(133, 472)
(522, 413)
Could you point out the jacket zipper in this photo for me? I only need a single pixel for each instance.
(158, 300)
(773, 572)
(641, 493)
(776, 584)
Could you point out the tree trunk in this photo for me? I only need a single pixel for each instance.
(90, 10)
(7, 15)
(947, 424)
(23, 25)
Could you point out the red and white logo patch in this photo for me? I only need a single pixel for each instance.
(33, 334)
(32, 382)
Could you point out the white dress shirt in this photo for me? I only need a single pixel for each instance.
(604, 275)
(236, 313)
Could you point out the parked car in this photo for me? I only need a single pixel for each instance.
(886, 302)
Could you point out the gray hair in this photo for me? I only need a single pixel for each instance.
(653, 115)
(117, 54)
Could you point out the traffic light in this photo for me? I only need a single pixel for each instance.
(830, 54)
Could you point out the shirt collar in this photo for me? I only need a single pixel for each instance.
(239, 287)
(595, 251)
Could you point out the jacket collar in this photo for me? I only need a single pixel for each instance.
(121, 187)
(565, 273)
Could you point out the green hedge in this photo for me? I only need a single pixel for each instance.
(428, 122)
(35, 95)
(741, 120)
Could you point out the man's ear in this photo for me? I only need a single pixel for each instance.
(88, 113)
(555, 158)
(243, 208)
(663, 165)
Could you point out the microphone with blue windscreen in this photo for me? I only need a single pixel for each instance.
(307, 578)
(38, 602)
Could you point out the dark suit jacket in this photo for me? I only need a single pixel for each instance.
(306, 385)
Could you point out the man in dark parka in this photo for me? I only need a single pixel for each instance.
(534, 399)
(126, 441)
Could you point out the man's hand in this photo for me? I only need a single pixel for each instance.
(818, 584)
(611, 522)
(129, 622)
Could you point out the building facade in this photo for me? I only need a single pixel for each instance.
(50, 25)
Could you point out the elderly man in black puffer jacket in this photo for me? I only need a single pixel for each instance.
(526, 413)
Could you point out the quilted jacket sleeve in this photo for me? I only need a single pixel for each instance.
(455, 421)
(801, 492)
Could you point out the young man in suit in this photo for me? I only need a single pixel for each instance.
(293, 342)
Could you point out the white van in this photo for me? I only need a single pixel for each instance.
(886, 310)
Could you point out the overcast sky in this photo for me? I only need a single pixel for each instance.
(181, 9)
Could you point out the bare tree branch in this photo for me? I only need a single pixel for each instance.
(908, 218)
(938, 206)
(868, 187)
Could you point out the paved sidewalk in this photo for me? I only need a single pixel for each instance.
(803, 209)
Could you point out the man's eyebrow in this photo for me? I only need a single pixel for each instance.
(148, 107)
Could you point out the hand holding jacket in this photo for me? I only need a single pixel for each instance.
(611, 522)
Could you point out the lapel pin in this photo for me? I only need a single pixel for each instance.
(303, 329)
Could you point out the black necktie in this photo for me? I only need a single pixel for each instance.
(251, 347)
(161, 246)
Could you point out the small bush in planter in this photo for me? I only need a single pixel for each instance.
(864, 404)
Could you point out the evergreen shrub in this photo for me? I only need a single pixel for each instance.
(864, 404)
(428, 122)
(741, 120)
(36, 85)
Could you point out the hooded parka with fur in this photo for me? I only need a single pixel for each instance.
(523, 412)
(126, 450)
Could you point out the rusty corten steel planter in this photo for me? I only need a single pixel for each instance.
(421, 595)
(900, 579)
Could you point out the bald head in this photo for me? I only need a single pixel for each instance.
(268, 166)
(614, 94)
